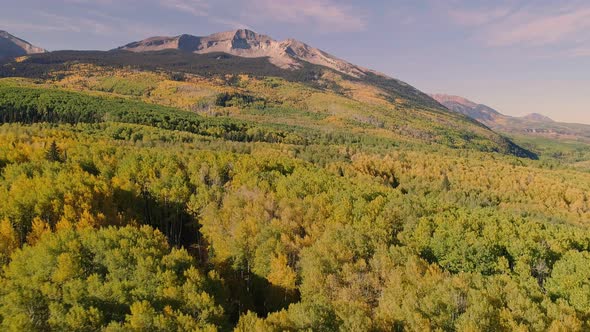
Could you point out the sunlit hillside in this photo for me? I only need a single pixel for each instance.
(173, 191)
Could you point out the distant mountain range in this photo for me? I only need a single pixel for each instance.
(11, 46)
(536, 124)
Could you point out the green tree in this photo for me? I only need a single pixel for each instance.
(570, 280)
(88, 280)
(53, 153)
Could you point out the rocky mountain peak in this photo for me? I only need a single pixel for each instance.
(287, 54)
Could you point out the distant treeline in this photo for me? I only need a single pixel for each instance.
(34, 105)
(207, 65)
(31, 105)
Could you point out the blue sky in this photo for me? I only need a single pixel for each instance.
(514, 55)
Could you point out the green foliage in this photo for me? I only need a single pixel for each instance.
(310, 237)
(212, 64)
(90, 280)
(29, 105)
(409, 113)
(558, 152)
(124, 86)
(227, 99)
(120, 215)
(281, 230)
(570, 280)
(53, 153)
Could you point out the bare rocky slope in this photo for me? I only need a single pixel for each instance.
(11, 46)
(285, 54)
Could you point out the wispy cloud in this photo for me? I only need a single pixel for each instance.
(325, 14)
(91, 22)
(477, 17)
(193, 7)
(541, 29)
(576, 52)
(565, 26)
(33, 27)
(77, 24)
(54, 22)
(202, 8)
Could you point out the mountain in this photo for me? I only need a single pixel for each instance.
(536, 117)
(11, 46)
(168, 190)
(286, 83)
(481, 113)
(531, 124)
(286, 54)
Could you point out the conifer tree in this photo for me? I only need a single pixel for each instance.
(53, 153)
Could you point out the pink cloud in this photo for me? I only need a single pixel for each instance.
(476, 18)
(565, 26)
(578, 52)
(538, 30)
(325, 14)
(193, 7)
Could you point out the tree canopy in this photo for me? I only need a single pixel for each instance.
(111, 279)
(265, 205)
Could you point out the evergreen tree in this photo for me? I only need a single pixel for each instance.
(446, 184)
(53, 153)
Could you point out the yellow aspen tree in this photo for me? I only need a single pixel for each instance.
(281, 274)
(63, 224)
(8, 240)
(38, 229)
(88, 220)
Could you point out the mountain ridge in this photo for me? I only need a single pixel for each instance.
(534, 123)
(537, 117)
(459, 104)
(383, 105)
(285, 54)
(12, 46)
(479, 112)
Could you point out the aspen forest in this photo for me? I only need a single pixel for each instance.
(157, 197)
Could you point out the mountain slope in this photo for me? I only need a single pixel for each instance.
(481, 113)
(239, 80)
(11, 46)
(535, 124)
(536, 117)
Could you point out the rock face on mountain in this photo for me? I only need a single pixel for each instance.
(11, 46)
(285, 54)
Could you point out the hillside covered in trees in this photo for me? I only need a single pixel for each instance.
(178, 195)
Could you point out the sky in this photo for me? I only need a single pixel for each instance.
(516, 56)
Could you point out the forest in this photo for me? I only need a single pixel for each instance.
(241, 203)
